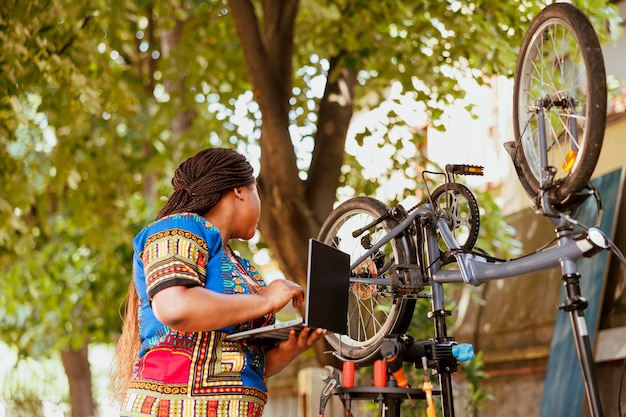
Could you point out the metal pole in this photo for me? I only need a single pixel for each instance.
(575, 304)
(439, 314)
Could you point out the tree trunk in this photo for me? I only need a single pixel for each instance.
(293, 210)
(76, 364)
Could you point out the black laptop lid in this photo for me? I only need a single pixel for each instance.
(327, 288)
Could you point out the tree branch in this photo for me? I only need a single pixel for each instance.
(270, 69)
(280, 17)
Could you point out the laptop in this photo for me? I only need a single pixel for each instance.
(326, 296)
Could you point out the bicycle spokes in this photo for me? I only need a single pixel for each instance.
(559, 105)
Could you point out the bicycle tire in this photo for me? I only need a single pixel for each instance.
(562, 37)
(456, 204)
(374, 311)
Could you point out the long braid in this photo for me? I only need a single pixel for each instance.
(198, 185)
(127, 347)
(199, 182)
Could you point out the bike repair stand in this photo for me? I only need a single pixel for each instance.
(391, 387)
(575, 304)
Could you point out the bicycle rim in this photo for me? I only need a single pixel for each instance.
(374, 311)
(560, 69)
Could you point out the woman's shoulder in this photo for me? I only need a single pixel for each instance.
(185, 220)
(184, 225)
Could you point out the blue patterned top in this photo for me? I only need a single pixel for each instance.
(185, 249)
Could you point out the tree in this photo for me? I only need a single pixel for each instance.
(102, 99)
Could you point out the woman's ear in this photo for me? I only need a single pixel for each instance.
(238, 193)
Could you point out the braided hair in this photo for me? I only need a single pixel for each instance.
(199, 181)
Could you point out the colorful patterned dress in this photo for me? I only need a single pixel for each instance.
(196, 373)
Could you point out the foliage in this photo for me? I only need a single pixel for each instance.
(101, 99)
(31, 387)
(474, 375)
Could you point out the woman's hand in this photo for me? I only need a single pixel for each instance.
(192, 309)
(279, 357)
(280, 292)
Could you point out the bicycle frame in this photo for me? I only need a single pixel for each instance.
(475, 270)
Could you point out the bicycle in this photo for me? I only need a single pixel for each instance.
(559, 113)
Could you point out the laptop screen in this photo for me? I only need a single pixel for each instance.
(328, 280)
(326, 296)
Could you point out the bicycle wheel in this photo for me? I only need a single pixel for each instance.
(374, 310)
(560, 69)
(456, 204)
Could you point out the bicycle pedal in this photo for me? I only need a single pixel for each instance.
(464, 169)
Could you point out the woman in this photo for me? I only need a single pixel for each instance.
(190, 290)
